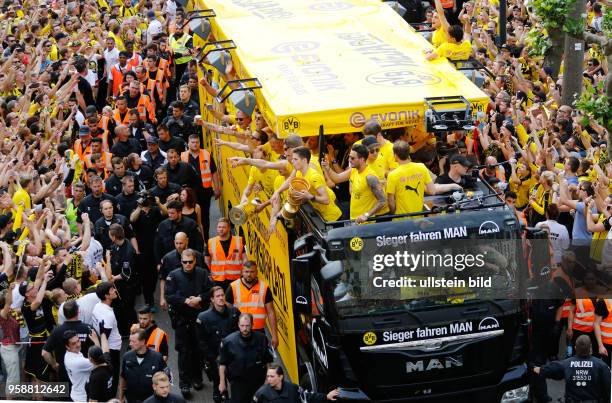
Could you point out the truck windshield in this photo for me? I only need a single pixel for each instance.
(383, 278)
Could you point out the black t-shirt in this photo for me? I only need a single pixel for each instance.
(87, 92)
(601, 309)
(55, 342)
(163, 193)
(124, 148)
(100, 384)
(175, 142)
(465, 181)
(39, 319)
(145, 228)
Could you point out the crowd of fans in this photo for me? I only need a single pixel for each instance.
(102, 164)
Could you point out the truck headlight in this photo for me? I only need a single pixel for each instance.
(517, 395)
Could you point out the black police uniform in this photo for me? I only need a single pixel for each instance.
(91, 206)
(145, 176)
(138, 376)
(288, 393)
(153, 162)
(145, 228)
(163, 193)
(245, 359)
(587, 379)
(114, 186)
(124, 148)
(126, 204)
(171, 398)
(172, 261)
(102, 225)
(167, 229)
(183, 174)
(179, 286)
(123, 262)
(212, 327)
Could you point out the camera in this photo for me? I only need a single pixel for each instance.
(145, 199)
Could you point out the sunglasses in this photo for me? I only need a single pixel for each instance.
(187, 261)
(239, 119)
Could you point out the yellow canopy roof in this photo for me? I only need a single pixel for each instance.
(336, 63)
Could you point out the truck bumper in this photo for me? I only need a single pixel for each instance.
(514, 378)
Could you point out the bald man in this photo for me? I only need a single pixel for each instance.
(124, 143)
(171, 261)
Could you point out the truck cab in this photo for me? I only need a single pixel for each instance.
(372, 319)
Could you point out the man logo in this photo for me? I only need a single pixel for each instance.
(369, 338)
(356, 244)
(488, 227)
(488, 323)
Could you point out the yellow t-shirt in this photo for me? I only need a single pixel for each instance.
(329, 212)
(523, 191)
(407, 182)
(454, 51)
(274, 156)
(264, 179)
(386, 157)
(439, 37)
(362, 198)
(22, 197)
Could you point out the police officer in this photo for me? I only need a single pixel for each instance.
(242, 360)
(171, 261)
(251, 294)
(157, 339)
(213, 325)
(121, 258)
(137, 369)
(277, 389)
(587, 378)
(187, 293)
(167, 229)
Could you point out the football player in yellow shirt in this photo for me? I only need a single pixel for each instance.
(458, 46)
(320, 195)
(408, 183)
(367, 195)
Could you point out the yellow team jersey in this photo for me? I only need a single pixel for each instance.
(598, 241)
(407, 182)
(329, 212)
(264, 179)
(523, 191)
(438, 37)
(274, 156)
(454, 51)
(386, 157)
(22, 197)
(362, 197)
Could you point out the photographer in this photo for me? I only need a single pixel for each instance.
(145, 218)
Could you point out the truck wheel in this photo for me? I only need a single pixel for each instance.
(307, 380)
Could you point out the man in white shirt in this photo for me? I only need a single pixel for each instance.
(86, 302)
(557, 233)
(111, 56)
(77, 366)
(154, 28)
(104, 321)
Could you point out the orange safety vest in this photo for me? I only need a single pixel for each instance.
(164, 65)
(155, 339)
(521, 217)
(78, 149)
(225, 267)
(157, 83)
(144, 106)
(205, 172)
(117, 75)
(606, 324)
(584, 317)
(119, 120)
(567, 304)
(251, 301)
(134, 61)
(106, 156)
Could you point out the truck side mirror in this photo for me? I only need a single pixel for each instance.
(332, 270)
(300, 275)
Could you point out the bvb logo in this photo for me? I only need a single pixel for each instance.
(369, 338)
(291, 124)
(356, 244)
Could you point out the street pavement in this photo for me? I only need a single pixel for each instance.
(555, 388)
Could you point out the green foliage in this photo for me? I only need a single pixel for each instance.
(553, 13)
(594, 103)
(573, 26)
(607, 21)
(538, 43)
